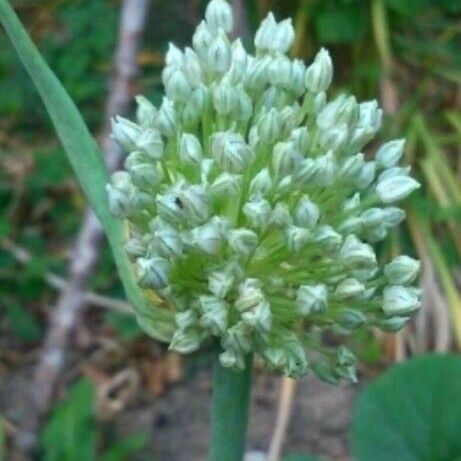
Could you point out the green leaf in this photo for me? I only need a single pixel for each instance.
(411, 413)
(23, 323)
(123, 449)
(88, 165)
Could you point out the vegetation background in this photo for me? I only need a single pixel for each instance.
(404, 52)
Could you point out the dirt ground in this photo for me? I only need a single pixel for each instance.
(179, 420)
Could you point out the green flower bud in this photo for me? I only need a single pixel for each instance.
(214, 314)
(242, 241)
(281, 216)
(283, 160)
(258, 212)
(166, 118)
(298, 73)
(135, 248)
(311, 299)
(120, 195)
(146, 112)
(403, 270)
(257, 73)
(230, 151)
(192, 67)
(238, 339)
(125, 133)
(351, 319)
(297, 238)
(226, 185)
(349, 288)
(284, 37)
(259, 318)
(356, 254)
(186, 342)
(269, 127)
(396, 188)
(352, 167)
(220, 282)
(196, 204)
(334, 138)
(261, 185)
(218, 15)
(190, 150)
(392, 324)
(389, 154)
(327, 238)
(320, 73)
(398, 300)
(153, 272)
(393, 216)
(208, 237)
(167, 242)
(150, 142)
(307, 213)
(170, 208)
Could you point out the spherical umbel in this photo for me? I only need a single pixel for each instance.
(251, 208)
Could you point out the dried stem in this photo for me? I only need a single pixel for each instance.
(66, 315)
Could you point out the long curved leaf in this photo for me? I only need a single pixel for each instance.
(87, 163)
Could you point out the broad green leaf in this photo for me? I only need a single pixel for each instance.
(411, 413)
(88, 165)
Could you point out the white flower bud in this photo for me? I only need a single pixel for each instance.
(192, 67)
(281, 216)
(279, 71)
(393, 172)
(243, 109)
(225, 97)
(153, 272)
(258, 212)
(389, 154)
(349, 288)
(392, 324)
(326, 169)
(186, 342)
(327, 238)
(298, 73)
(297, 238)
(353, 225)
(320, 73)
(120, 195)
(174, 56)
(219, 283)
(311, 299)
(250, 295)
(261, 185)
(393, 216)
(232, 359)
(208, 237)
(269, 127)
(301, 139)
(283, 159)
(196, 204)
(219, 15)
(170, 208)
(259, 318)
(334, 138)
(202, 39)
(167, 242)
(284, 37)
(307, 213)
(150, 142)
(366, 176)
(357, 254)
(238, 338)
(242, 241)
(145, 112)
(403, 270)
(350, 319)
(146, 176)
(290, 118)
(125, 133)
(396, 188)
(226, 185)
(257, 74)
(135, 248)
(166, 118)
(214, 314)
(370, 116)
(342, 110)
(231, 152)
(352, 203)
(190, 150)
(177, 86)
(240, 62)
(218, 55)
(372, 217)
(398, 300)
(266, 33)
(352, 167)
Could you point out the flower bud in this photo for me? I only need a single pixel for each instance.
(259, 318)
(353, 225)
(326, 169)
(297, 238)
(398, 300)
(392, 324)
(242, 241)
(261, 185)
(219, 283)
(281, 216)
(389, 154)
(342, 110)
(403, 270)
(208, 237)
(350, 319)
(393, 172)
(238, 338)
(225, 97)
(269, 127)
(266, 33)
(177, 86)
(250, 295)
(196, 204)
(301, 139)
(146, 176)
(214, 314)
(186, 342)
(240, 62)
(243, 109)
(370, 116)
(125, 133)
(307, 213)
(218, 55)
(393, 216)
(257, 73)
(349, 288)
(145, 112)
(202, 39)
(396, 188)
(372, 217)
(320, 73)
(284, 37)
(219, 15)
(298, 73)
(311, 299)
(153, 272)
(233, 360)
(352, 167)
(170, 208)
(258, 212)
(190, 150)
(192, 67)
(231, 152)
(226, 185)
(167, 242)
(366, 176)
(283, 160)
(279, 71)
(166, 118)
(327, 238)
(356, 254)
(120, 195)
(135, 248)
(334, 138)
(150, 142)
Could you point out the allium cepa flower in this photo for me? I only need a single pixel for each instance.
(251, 208)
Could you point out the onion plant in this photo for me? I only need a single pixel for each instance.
(246, 212)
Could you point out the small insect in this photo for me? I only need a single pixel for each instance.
(178, 203)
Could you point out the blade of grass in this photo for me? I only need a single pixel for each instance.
(88, 165)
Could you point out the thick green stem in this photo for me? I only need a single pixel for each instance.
(229, 418)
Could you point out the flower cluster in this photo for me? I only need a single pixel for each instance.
(251, 208)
